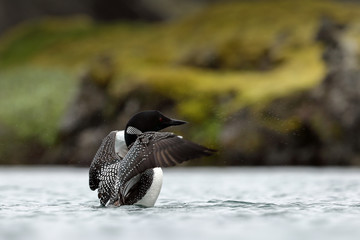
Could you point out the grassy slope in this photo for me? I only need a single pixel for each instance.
(41, 61)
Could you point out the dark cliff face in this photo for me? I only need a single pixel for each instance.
(325, 120)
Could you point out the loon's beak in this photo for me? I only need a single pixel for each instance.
(174, 122)
(168, 122)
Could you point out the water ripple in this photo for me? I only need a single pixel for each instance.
(206, 204)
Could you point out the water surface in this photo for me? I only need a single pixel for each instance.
(195, 203)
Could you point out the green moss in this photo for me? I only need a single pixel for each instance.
(27, 40)
(32, 100)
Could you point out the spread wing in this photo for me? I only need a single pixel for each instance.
(157, 149)
(104, 169)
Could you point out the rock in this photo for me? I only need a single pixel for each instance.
(340, 90)
(88, 107)
(339, 93)
(82, 125)
(94, 112)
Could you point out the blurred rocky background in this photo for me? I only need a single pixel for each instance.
(265, 82)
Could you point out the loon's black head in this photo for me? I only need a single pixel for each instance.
(146, 121)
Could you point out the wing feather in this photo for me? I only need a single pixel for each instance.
(158, 149)
(104, 169)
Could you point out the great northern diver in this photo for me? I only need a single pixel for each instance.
(126, 169)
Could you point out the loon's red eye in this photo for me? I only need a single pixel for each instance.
(160, 119)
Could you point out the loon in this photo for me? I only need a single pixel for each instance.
(126, 169)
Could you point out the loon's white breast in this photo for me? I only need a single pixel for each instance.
(153, 192)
